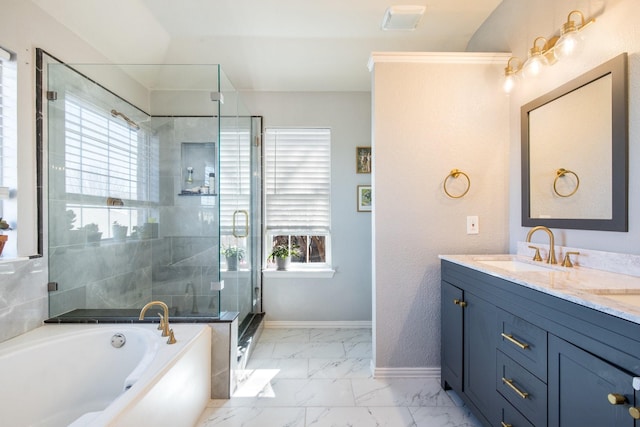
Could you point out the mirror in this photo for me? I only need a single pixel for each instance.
(574, 152)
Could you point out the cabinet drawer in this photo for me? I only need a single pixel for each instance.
(523, 342)
(522, 389)
(510, 417)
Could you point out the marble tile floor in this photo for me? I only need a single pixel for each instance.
(322, 377)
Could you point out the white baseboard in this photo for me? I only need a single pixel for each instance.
(433, 373)
(347, 324)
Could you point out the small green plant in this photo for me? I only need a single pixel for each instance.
(4, 225)
(283, 251)
(233, 252)
(70, 217)
(91, 228)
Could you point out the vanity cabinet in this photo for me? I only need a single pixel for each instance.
(578, 380)
(520, 357)
(468, 345)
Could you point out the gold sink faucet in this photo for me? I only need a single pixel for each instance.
(551, 258)
(164, 320)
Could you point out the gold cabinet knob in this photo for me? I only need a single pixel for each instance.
(460, 303)
(635, 413)
(616, 399)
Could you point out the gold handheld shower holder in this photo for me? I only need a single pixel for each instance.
(455, 173)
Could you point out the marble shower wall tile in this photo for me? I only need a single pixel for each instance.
(126, 290)
(23, 296)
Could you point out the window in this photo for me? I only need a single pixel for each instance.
(106, 158)
(8, 146)
(298, 193)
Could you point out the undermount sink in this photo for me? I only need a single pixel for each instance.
(513, 265)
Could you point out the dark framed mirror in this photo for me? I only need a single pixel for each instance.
(575, 152)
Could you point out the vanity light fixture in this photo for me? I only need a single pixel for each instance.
(511, 75)
(402, 18)
(537, 58)
(545, 52)
(570, 41)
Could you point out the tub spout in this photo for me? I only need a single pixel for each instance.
(164, 322)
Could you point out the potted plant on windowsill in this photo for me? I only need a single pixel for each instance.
(93, 234)
(233, 254)
(119, 231)
(281, 254)
(4, 225)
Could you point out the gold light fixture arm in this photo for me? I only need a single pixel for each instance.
(455, 173)
(559, 174)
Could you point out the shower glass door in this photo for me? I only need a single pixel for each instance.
(131, 215)
(240, 230)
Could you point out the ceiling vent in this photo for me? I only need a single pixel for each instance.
(402, 18)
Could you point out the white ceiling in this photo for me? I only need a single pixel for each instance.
(267, 45)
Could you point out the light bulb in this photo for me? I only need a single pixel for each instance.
(570, 43)
(533, 66)
(510, 82)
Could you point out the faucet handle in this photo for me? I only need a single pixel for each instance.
(161, 324)
(172, 337)
(537, 256)
(566, 262)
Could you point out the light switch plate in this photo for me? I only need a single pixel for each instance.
(472, 225)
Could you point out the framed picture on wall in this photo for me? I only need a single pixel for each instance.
(363, 159)
(365, 198)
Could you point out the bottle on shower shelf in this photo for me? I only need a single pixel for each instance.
(212, 183)
(189, 174)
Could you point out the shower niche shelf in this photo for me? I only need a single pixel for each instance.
(198, 160)
(198, 194)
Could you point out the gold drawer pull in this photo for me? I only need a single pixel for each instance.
(503, 424)
(520, 393)
(616, 399)
(635, 413)
(512, 340)
(460, 303)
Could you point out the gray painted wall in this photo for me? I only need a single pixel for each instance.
(346, 296)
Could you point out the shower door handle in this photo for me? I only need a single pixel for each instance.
(246, 223)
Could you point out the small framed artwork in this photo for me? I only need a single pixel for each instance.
(363, 159)
(365, 198)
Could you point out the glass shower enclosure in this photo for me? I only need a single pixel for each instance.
(152, 176)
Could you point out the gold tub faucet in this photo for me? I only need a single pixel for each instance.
(551, 258)
(164, 320)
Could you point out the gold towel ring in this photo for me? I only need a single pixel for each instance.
(560, 173)
(455, 173)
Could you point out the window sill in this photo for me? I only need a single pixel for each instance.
(320, 273)
(14, 259)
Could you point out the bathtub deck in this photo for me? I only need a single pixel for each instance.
(130, 315)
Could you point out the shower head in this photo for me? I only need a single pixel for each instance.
(130, 122)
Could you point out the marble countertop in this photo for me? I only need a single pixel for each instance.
(612, 293)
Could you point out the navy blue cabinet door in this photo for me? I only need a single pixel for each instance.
(480, 330)
(579, 385)
(451, 340)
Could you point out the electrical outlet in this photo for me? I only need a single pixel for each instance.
(472, 225)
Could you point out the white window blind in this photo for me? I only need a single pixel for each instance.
(234, 175)
(298, 181)
(105, 157)
(8, 121)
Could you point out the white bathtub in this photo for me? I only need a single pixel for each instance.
(60, 375)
